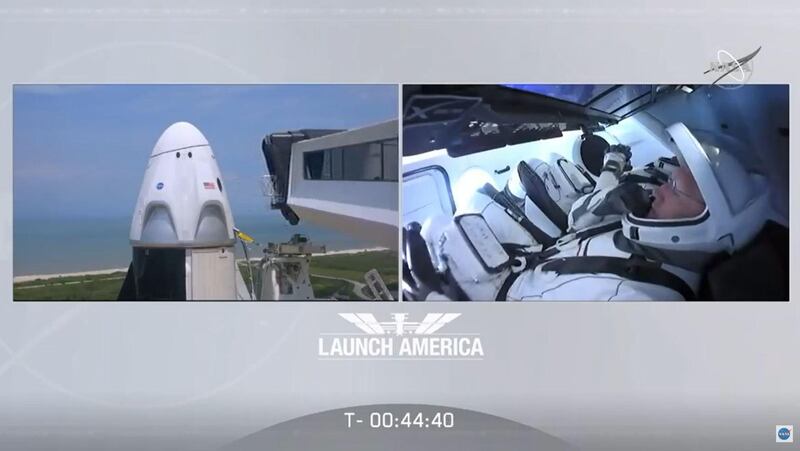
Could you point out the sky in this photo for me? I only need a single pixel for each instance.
(80, 151)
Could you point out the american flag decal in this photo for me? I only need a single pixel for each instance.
(209, 185)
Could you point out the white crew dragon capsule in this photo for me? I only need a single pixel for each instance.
(182, 229)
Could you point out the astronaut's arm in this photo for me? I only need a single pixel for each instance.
(652, 174)
(610, 197)
(615, 162)
(616, 200)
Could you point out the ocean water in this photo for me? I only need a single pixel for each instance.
(49, 246)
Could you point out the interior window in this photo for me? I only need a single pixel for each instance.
(363, 162)
(359, 162)
(390, 160)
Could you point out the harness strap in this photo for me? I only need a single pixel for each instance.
(530, 262)
(588, 233)
(518, 215)
(502, 295)
(635, 269)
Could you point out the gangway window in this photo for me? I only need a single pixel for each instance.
(373, 161)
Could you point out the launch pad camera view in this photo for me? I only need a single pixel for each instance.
(205, 192)
(595, 192)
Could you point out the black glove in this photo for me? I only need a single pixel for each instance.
(617, 159)
(626, 198)
(620, 148)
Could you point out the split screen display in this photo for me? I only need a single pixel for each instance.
(523, 192)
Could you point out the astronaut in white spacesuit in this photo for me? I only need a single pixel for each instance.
(629, 240)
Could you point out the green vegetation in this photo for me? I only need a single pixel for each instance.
(342, 266)
(104, 287)
(331, 288)
(353, 266)
(101, 287)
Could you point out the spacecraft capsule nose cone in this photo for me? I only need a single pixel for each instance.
(178, 136)
(181, 201)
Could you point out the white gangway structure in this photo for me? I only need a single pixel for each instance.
(346, 180)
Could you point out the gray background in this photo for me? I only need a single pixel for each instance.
(599, 376)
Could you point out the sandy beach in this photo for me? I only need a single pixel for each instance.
(354, 251)
(20, 279)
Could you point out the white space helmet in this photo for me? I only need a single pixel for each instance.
(736, 200)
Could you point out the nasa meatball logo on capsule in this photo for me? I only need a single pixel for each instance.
(194, 212)
(182, 237)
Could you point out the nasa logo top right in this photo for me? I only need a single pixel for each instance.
(784, 433)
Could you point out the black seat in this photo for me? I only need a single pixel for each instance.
(758, 272)
(537, 192)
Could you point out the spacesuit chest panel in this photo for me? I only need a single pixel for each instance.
(538, 284)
